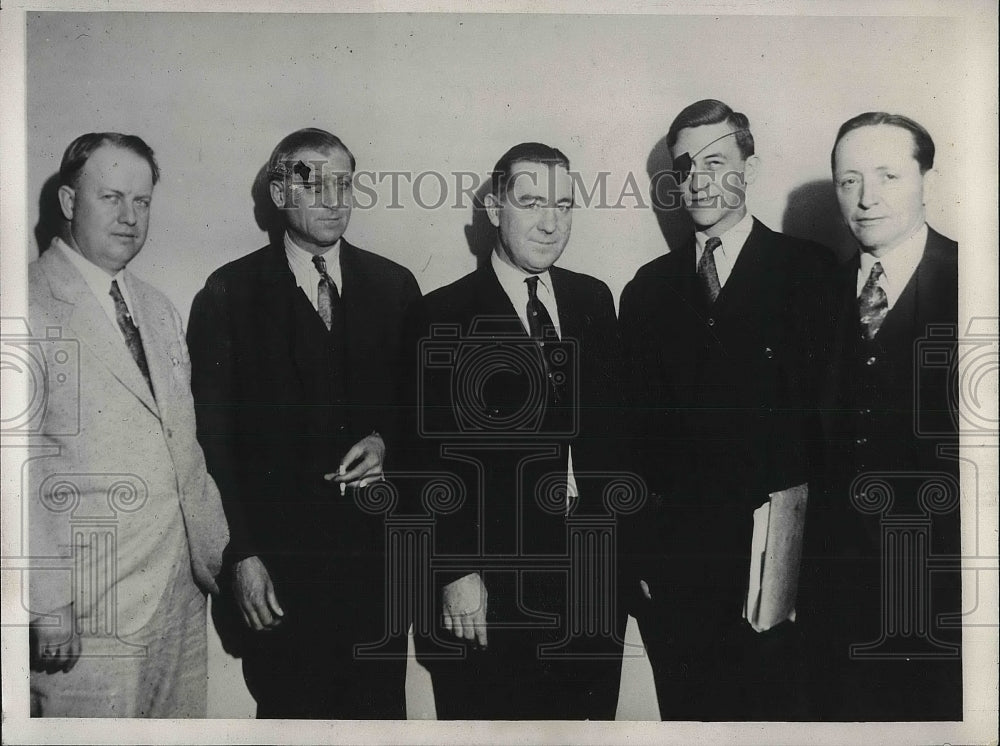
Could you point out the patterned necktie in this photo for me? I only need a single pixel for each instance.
(327, 297)
(541, 328)
(128, 327)
(873, 304)
(707, 272)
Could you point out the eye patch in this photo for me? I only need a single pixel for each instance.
(684, 161)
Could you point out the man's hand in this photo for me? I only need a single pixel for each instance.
(56, 647)
(255, 595)
(464, 606)
(362, 464)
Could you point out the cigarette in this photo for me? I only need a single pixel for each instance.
(343, 486)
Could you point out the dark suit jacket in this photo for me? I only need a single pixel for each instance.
(723, 398)
(889, 405)
(486, 404)
(277, 409)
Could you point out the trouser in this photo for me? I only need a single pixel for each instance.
(717, 668)
(315, 665)
(541, 668)
(160, 671)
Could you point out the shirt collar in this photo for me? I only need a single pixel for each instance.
(898, 265)
(98, 280)
(512, 279)
(297, 256)
(732, 240)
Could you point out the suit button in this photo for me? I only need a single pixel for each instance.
(768, 352)
(170, 433)
(870, 361)
(711, 322)
(861, 441)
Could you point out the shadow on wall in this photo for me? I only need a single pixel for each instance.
(265, 212)
(812, 212)
(50, 217)
(480, 233)
(665, 196)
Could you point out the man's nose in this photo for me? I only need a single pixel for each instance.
(697, 181)
(868, 194)
(547, 220)
(127, 212)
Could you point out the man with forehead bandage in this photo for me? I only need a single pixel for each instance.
(296, 350)
(724, 336)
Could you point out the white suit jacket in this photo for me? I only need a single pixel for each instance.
(121, 498)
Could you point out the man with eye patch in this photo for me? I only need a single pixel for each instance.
(296, 353)
(724, 337)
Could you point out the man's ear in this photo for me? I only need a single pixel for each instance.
(67, 201)
(931, 179)
(492, 209)
(751, 169)
(277, 194)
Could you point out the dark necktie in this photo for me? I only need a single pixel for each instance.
(128, 327)
(540, 327)
(873, 304)
(327, 297)
(707, 272)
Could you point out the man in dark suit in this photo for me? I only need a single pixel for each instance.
(519, 400)
(723, 336)
(875, 611)
(296, 351)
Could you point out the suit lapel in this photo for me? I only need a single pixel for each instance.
(92, 326)
(493, 302)
(570, 307)
(360, 302)
(286, 316)
(742, 285)
(159, 344)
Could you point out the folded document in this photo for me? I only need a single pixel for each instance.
(775, 558)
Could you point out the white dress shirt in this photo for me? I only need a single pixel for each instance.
(512, 280)
(726, 254)
(898, 265)
(307, 276)
(99, 282)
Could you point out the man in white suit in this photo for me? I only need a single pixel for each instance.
(126, 527)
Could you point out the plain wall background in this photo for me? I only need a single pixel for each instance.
(213, 93)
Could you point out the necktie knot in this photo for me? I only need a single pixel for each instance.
(877, 272)
(327, 297)
(532, 283)
(873, 303)
(708, 274)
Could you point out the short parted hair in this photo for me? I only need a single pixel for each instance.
(711, 111)
(923, 145)
(309, 138)
(531, 152)
(83, 147)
